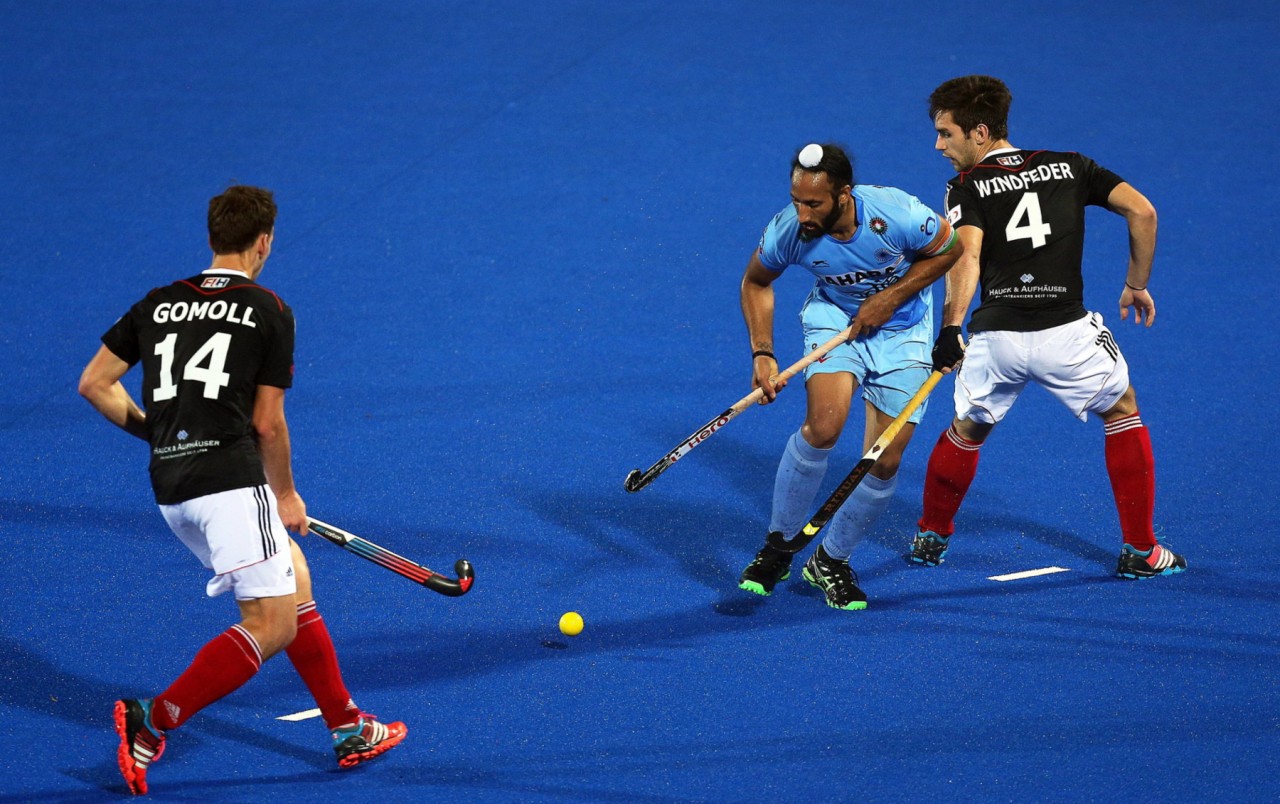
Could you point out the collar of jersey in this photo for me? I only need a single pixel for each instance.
(999, 151)
(857, 223)
(224, 271)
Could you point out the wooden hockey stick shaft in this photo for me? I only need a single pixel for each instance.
(829, 508)
(637, 480)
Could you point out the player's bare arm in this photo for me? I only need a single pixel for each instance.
(273, 444)
(962, 280)
(100, 384)
(757, 311)
(961, 283)
(1140, 215)
(879, 307)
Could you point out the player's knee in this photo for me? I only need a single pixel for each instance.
(820, 434)
(886, 466)
(969, 430)
(1127, 405)
(273, 622)
(281, 629)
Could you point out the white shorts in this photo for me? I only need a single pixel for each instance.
(1079, 363)
(237, 534)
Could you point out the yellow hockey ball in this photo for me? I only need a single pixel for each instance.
(571, 623)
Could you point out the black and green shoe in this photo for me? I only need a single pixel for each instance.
(765, 570)
(836, 579)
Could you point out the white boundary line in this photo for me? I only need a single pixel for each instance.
(1017, 576)
(304, 715)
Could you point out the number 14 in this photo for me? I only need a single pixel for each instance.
(214, 355)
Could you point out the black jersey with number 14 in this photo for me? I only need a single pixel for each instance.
(206, 344)
(1030, 208)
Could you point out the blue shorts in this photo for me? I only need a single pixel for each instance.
(890, 365)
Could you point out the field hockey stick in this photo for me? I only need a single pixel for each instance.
(453, 587)
(637, 480)
(798, 542)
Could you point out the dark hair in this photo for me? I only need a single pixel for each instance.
(974, 100)
(238, 217)
(835, 163)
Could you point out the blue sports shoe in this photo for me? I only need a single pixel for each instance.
(929, 548)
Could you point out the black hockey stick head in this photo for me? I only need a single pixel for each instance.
(637, 480)
(632, 484)
(453, 587)
(778, 541)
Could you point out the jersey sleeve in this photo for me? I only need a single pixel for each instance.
(122, 339)
(931, 233)
(1099, 180)
(277, 362)
(773, 252)
(962, 209)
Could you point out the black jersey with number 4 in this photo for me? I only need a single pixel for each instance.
(206, 344)
(1030, 208)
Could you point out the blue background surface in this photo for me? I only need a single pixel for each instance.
(513, 235)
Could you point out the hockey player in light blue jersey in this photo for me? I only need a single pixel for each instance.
(875, 252)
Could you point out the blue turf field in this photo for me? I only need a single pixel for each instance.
(513, 234)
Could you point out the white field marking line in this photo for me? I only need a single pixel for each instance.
(1017, 576)
(296, 716)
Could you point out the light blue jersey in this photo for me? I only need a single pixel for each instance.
(894, 230)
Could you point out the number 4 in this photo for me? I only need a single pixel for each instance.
(214, 378)
(1035, 229)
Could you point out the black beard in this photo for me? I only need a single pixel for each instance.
(824, 226)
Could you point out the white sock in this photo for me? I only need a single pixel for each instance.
(853, 521)
(800, 472)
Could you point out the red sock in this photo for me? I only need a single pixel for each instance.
(952, 465)
(220, 668)
(1132, 468)
(315, 659)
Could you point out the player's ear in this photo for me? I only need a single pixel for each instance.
(981, 133)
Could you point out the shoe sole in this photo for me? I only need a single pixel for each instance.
(857, 605)
(924, 562)
(133, 777)
(757, 588)
(351, 760)
(1133, 576)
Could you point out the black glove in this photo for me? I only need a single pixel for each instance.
(948, 349)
